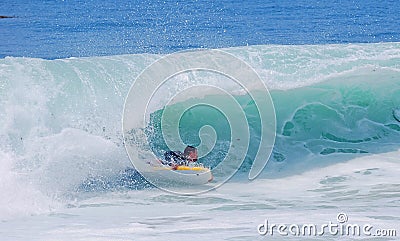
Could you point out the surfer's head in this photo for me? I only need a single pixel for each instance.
(190, 153)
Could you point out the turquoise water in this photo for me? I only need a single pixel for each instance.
(351, 113)
(59, 113)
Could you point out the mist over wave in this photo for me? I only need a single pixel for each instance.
(60, 120)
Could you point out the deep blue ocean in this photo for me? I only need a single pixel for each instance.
(60, 29)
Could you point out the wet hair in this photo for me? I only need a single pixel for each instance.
(189, 149)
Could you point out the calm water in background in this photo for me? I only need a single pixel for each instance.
(59, 29)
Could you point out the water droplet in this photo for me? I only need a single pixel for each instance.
(396, 114)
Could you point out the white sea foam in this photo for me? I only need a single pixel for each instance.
(365, 188)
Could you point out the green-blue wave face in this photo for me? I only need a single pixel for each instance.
(347, 115)
(198, 116)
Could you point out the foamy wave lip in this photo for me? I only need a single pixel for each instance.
(71, 156)
(52, 169)
(287, 67)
